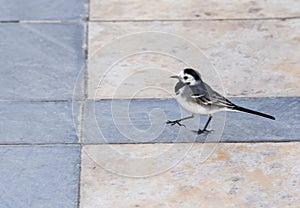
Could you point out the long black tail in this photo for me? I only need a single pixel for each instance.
(246, 110)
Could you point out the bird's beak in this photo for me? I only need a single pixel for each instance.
(174, 76)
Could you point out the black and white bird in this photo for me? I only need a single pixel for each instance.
(199, 98)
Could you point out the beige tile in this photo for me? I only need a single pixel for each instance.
(235, 175)
(247, 58)
(191, 9)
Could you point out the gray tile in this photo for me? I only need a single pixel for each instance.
(41, 9)
(37, 122)
(40, 61)
(107, 121)
(244, 127)
(39, 176)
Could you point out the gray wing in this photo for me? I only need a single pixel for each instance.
(202, 93)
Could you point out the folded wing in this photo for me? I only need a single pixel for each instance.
(202, 93)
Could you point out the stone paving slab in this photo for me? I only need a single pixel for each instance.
(235, 175)
(143, 121)
(191, 9)
(39, 176)
(41, 10)
(40, 61)
(37, 122)
(265, 51)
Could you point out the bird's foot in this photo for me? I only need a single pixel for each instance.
(175, 122)
(200, 131)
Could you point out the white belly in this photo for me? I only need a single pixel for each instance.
(196, 108)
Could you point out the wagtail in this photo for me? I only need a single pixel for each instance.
(199, 98)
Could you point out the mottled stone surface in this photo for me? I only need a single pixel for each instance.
(37, 122)
(251, 58)
(40, 61)
(41, 68)
(143, 121)
(191, 9)
(235, 175)
(39, 176)
(41, 10)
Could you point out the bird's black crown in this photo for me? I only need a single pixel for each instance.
(192, 72)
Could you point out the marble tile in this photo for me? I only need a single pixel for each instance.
(235, 175)
(238, 58)
(42, 10)
(39, 176)
(191, 9)
(143, 121)
(40, 61)
(38, 122)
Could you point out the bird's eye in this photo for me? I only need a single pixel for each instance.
(185, 77)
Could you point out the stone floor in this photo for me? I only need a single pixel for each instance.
(86, 93)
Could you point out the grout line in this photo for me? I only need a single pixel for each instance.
(200, 20)
(9, 21)
(40, 144)
(86, 55)
(86, 99)
(171, 98)
(87, 19)
(147, 143)
(79, 177)
(41, 21)
(41, 101)
(85, 96)
(221, 142)
(80, 121)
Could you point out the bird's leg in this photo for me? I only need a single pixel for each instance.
(178, 121)
(204, 130)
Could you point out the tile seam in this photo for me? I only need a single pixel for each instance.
(40, 144)
(144, 143)
(85, 95)
(197, 20)
(222, 142)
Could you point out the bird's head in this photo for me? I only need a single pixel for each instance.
(188, 76)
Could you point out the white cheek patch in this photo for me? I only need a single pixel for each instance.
(190, 79)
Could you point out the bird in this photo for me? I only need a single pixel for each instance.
(196, 96)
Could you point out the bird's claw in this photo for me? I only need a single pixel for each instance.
(175, 122)
(200, 131)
